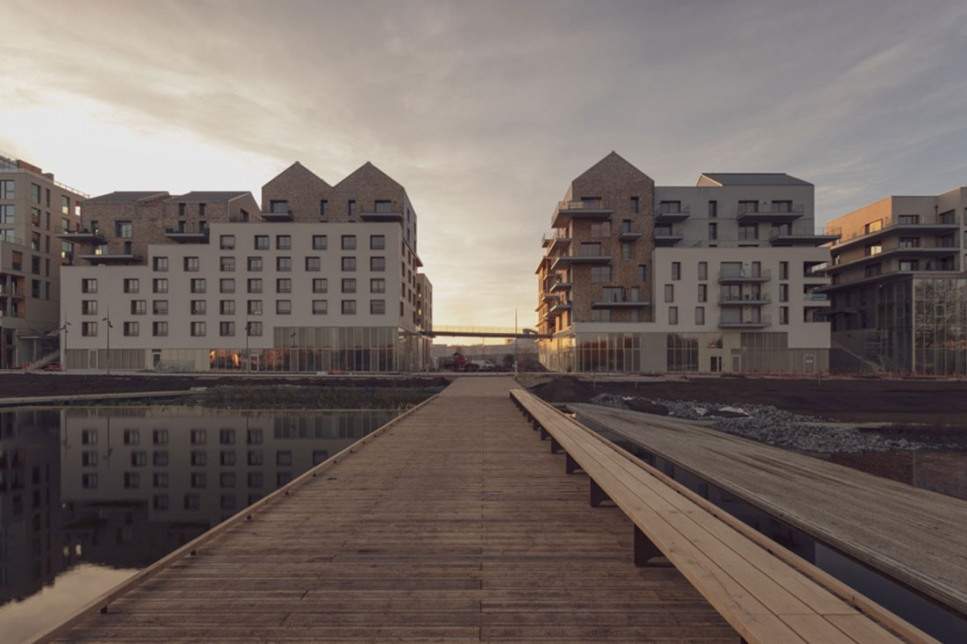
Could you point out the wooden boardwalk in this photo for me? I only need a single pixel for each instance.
(455, 524)
(911, 534)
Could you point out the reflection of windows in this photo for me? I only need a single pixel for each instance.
(159, 436)
(160, 502)
(88, 437)
(89, 481)
(283, 457)
(283, 285)
(199, 436)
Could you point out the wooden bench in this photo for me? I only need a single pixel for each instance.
(765, 592)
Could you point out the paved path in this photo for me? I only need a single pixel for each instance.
(456, 524)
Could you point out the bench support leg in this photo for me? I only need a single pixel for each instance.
(645, 549)
(598, 496)
(544, 434)
(570, 465)
(555, 446)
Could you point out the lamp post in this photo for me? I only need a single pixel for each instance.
(110, 326)
(248, 359)
(293, 347)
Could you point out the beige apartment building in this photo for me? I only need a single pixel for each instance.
(34, 208)
(718, 277)
(899, 284)
(319, 278)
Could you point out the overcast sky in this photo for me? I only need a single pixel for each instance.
(486, 110)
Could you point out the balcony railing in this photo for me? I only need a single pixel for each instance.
(750, 299)
(744, 275)
(745, 323)
(925, 224)
(586, 209)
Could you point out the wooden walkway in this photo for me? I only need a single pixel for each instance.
(455, 524)
(914, 535)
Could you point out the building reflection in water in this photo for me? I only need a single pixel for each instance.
(121, 487)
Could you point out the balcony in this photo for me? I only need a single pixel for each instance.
(667, 216)
(184, 236)
(746, 299)
(584, 256)
(742, 276)
(621, 304)
(630, 232)
(560, 287)
(585, 209)
(923, 226)
(558, 309)
(667, 236)
(381, 211)
(277, 214)
(816, 300)
(84, 236)
(112, 258)
(777, 214)
(745, 323)
(925, 248)
(555, 240)
(801, 236)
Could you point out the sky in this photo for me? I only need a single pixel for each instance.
(485, 111)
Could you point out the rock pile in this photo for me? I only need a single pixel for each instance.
(771, 426)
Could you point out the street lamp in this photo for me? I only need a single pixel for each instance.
(110, 326)
(292, 338)
(248, 359)
(65, 328)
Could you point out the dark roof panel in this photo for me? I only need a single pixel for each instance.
(753, 179)
(129, 196)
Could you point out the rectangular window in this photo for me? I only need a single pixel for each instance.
(313, 264)
(351, 207)
(261, 242)
(159, 458)
(199, 307)
(634, 206)
(131, 437)
(283, 264)
(199, 436)
(783, 270)
(139, 307)
(226, 307)
(703, 270)
(669, 292)
(89, 307)
(131, 329)
(159, 307)
(672, 315)
(748, 232)
(377, 242)
(283, 285)
(377, 307)
(349, 285)
(642, 273)
(748, 206)
(255, 307)
(226, 242)
(226, 329)
(320, 242)
(198, 285)
(600, 274)
(226, 285)
(783, 293)
(226, 264)
(377, 264)
(159, 285)
(377, 285)
(349, 242)
(676, 270)
(198, 329)
(783, 315)
(324, 208)
(699, 315)
(160, 264)
(279, 206)
(159, 329)
(283, 242)
(713, 209)
(255, 264)
(320, 307)
(254, 328)
(349, 264)
(191, 264)
(320, 285)
(713, 231)
(131, 285)
(349, 307)
(35, 193)
(703, 292)
(7, 189)
(255, 285)
(601, 230)
(89, 329)
(89, 285)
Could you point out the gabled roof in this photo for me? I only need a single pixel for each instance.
(612, 162)
(370, 172)
(128, 196)
(300, 173)
(210, 196)
(750, 179)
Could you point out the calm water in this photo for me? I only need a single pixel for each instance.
(90, 495)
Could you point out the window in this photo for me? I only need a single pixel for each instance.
(783, 270)
(198, 285)
(159, 329)
(255, 264)
(255, 285)
(254, 458)
(634, 206)
(320, 242)
(279, 206)
(255, 307)
(227, 242)
(89, 329)
(89, 458)
(192, 502)
(601, 230)
(35, 193)
(349, 242)
(713, 231)
(909, 242)
(226, 264)
(89, 285)
(874, 249)
(703, 270)
(600, 315)
(783, 293)
(226, 307)
(349, 307)
(159, 285)
(283, 242)
(139, 458)
(226, 329)
(600, 274)
(320, 307)
(713, 209)
(748, 206)
(159, 458)
(909, 265)
(131, 329)
(131, 437)
(131, 285)
(139, 307)
(672, 315)
(160, 264)
(199, 436)
(783, 315)
(377, 307)
(351, 207)
(254, 328)
(89, 307)
(320, 285)
(349, 285)
(283, 264)
(703, 292)
(324, 208)
(669, 292)
(283, 285)
(904, 220)
(191, 264)
(226, 285)
(377, 242)
(283, 307)
(7, 189)
(160, 479)
(198, 329)
(349, 264)
(7, 214)
(159, 307)
(377, 285)
(748, 232)
(676, 270)
(261, 242)
(668, 207)
(377, 264)
(642, 273)
(199, 307)
(699, 315)
(89, 481)
(159, 436)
